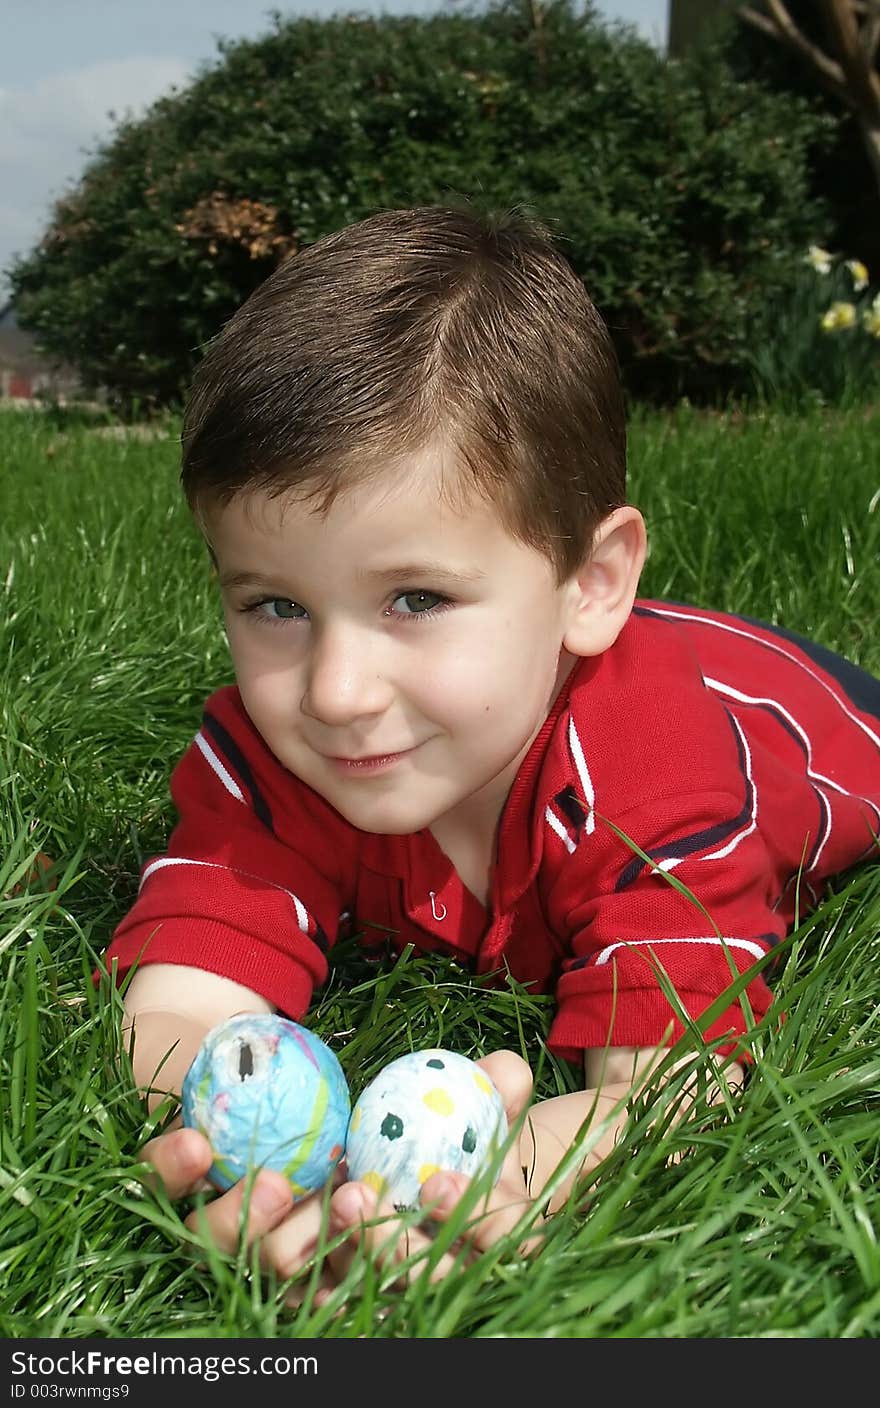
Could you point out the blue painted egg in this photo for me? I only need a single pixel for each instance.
(426, 1111)
(267, 1092)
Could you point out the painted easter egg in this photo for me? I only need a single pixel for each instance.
(424, 1112)
(267, 1092)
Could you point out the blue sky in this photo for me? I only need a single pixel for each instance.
(66, 64)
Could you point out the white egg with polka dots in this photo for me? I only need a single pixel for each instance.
(424, 1112)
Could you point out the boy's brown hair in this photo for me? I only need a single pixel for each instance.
(435, 325)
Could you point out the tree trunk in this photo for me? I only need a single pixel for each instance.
(690, 20)
(847, 69)
(870, 130)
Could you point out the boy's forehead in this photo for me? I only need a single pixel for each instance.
(424, 488)
(393, 525)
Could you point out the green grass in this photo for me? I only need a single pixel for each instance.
(110, 639)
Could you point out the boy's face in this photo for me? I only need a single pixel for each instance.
(398, 654)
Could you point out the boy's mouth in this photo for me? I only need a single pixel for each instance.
(371, 763)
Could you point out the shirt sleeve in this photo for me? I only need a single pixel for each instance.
(253, 882)
(692, 917)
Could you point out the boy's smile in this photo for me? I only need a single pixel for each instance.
(399, 653)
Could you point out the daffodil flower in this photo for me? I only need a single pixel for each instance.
(819, 259)
(871, 319)
(859, 274)
(839, 315)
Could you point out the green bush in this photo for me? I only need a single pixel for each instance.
(679, 191)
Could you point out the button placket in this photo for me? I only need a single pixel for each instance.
(440, 909)
(494, 942)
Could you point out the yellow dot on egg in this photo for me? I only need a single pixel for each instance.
(426, 1170)
(355, 1118)
(375, 1181)
(482, 1083)
(439, 1100)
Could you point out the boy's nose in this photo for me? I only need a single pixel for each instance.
(345, 679)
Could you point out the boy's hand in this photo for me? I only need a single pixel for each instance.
(375, 1224)
(182, 1158)
(289, 1232)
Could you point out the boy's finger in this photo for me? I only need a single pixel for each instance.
(243, 1211)
(492, 1219)
(180, 1160)
(376, 1227)
(303, 1289)
(512, 1078)
(287, 1248)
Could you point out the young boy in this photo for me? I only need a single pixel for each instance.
(453, 723)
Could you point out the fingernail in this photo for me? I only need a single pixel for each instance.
(346, 1207)
(187, 1141)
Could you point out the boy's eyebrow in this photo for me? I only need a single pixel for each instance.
(406, 569)
(424, 569)
(383, 574)
(244, 579)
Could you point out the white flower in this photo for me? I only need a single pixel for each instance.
(871, 319)
(818, 259)
(839, 315)
(859, 274)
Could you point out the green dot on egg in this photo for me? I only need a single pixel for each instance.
(391, 1127)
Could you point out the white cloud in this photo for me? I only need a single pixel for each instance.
(48, 129)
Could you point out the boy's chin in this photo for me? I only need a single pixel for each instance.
(387, 827)
(381, 822)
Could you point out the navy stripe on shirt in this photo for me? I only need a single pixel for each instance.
(234, 756)
(863, 689)
(697, 840)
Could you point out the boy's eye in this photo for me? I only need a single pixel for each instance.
(413, 603)
(417, 603)
(284, 610)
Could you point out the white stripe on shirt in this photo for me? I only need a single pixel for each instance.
(771, 645)
(560, 831)
(211, 757)
(302, 916)
(583, 771)
(815, 778)
(755, 949)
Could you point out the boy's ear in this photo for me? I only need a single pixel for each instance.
(602, 591)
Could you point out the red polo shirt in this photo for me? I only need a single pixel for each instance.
(689, 790)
